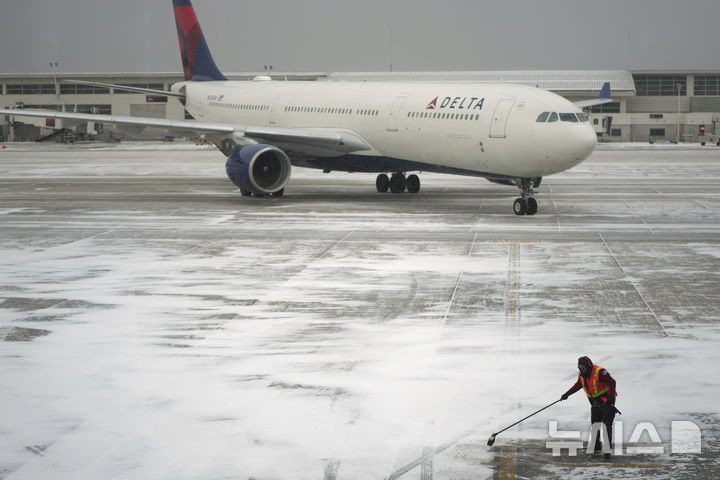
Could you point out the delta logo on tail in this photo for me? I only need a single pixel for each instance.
(198, 64)
(457, 103)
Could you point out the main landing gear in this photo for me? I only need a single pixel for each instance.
(526, 204)
(397, 183)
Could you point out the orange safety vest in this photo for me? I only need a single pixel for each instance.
(591, 387)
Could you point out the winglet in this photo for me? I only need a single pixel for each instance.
(198, 63)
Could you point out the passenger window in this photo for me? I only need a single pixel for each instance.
(553, 117)
(568, 117)
(542, 118)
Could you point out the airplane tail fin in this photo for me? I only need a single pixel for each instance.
(605, 91)
(198, 63)
(604, 97)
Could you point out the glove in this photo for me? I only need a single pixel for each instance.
(564, 396)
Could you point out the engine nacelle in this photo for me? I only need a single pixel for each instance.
(260, 169)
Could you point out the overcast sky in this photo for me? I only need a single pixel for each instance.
(367, 35)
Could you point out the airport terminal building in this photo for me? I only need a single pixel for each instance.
(647, 105)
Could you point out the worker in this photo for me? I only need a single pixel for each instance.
(600, 389)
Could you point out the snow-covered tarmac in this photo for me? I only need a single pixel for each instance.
(156, 324)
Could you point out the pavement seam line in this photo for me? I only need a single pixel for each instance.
(457, 283)
(629, 280)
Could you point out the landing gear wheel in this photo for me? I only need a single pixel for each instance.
(397, 183)
(382, 183)
(245, 193)
(413, 184)
(527, 205)
(532, 206)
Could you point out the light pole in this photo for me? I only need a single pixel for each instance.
(53, 67)
(679, 86)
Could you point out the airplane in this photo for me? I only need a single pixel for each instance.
(507, 133)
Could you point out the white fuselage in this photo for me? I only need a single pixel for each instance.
(476, 128)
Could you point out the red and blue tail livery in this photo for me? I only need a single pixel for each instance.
(198, 63)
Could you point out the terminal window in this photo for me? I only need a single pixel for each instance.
(96, 109)
(660, 85)
(57, 108)
(152, 86)
(31, 89)
(611, 107)
(707, 85)
(80, 89)
(657, 132)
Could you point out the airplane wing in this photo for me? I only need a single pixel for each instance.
(336, 140)
(604, 97)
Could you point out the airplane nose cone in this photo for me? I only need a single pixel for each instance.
(585, 142)
(582, 141)
(578, 144)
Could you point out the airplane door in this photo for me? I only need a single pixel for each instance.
(392, 123)
(273, 110)
(500, 117)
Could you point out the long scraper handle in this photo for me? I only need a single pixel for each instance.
(491, 440)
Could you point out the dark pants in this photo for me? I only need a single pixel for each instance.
(602, 412)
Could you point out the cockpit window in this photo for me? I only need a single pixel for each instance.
(543, 117)
(582, 117)
(553, 117)
(568, 117)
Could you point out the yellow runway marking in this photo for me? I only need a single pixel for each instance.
(507, 463)
(513, 283)
(514, 240)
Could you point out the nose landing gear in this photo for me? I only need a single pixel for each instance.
(526, 204)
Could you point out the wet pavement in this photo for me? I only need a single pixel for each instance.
(154, 323)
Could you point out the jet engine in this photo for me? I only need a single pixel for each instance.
(258, 169)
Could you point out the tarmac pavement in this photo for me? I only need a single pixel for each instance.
(154, 323)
